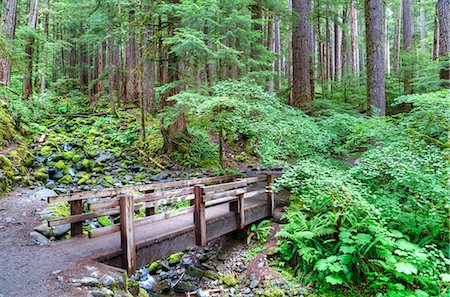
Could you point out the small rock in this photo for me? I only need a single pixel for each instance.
(254, 283)
(247, 291)
(61, 230)
(44, 230)
(261, 264)
(85, 281)
(44, 194)
(60, 278)
(183, 287)
(100, 293)
(107, 280)
(39, 238)
(56, 272)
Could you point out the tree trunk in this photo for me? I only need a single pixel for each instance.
(376, 96)
(111, 85)
(435, 54)
(148, 83)
(130, 63)
(277, 48)
(301, 86)
(7, 31)
(337, 52)
(386, 38)
(353, 31)
(443, 8)
(27, 88)
(177, 128)
(407, 42)
(397, 40)
(100, 87)
(271, 48)
(423, 32)
(344, 49)
(44, 50)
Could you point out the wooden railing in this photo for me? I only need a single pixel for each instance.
(126, 201)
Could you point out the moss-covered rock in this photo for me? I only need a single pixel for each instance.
(40, 176)
(228, 280)
(60, 165)
(175, 258)
(68, 156)
(66, 179)
(77, 158)
(87, 165)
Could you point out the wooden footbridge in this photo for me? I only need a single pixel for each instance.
(218, 205)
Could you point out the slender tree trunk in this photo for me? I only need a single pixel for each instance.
(435, 54)
(130, 63)
(423, 32)
(44, 50)
(397, 40)
(7, 31)
(344, 49)
(301, 55)
(270, 47)
(337, 52)
(100, 87)
(258, 29)
(149, 75)
(407, 43)
(375, 57)
(353, 31)
(277, 48)
(27, 89)
(443, 8)
(111, 76)
(386, 38)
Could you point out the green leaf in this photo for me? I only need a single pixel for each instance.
(334, 279)
(406, 268)
(321, 265)
(346, 249)
(362, 238)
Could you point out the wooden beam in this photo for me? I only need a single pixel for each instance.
(254, 193)
(241, 210)
(82, 217)
(110, 203)
(199, 216)
(128, 240)
(224, 187)
(270, 194)
(141, 188)
(252, 180)
(214, 196)
(76, 208)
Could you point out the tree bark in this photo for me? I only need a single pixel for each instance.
(7, 31)
(148, 83)
(443, 8)
(407, 43)
(397, 40)
(353, 31)
(337, 52)
(435, 54)
(44, 50)
(27, 88)
(423, 32)
(130, 63)
(111, 85)
(386, 38)
(177, 128)
(301, 86)
(277, 49)
(376, 96)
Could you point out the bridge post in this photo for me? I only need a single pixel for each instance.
(270, 194)
(241, 211)
(199, 216)
(76, 208)
(150, 210)
(128, 241)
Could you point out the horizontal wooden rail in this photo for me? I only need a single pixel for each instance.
(114, 202)
(254, 193)
(141, 188)
(224, 187)
(218, 195)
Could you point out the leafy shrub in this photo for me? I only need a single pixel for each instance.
(335, 236)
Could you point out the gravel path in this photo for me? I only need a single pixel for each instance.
(30, 269)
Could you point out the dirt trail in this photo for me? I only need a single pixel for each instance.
(27, 266)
